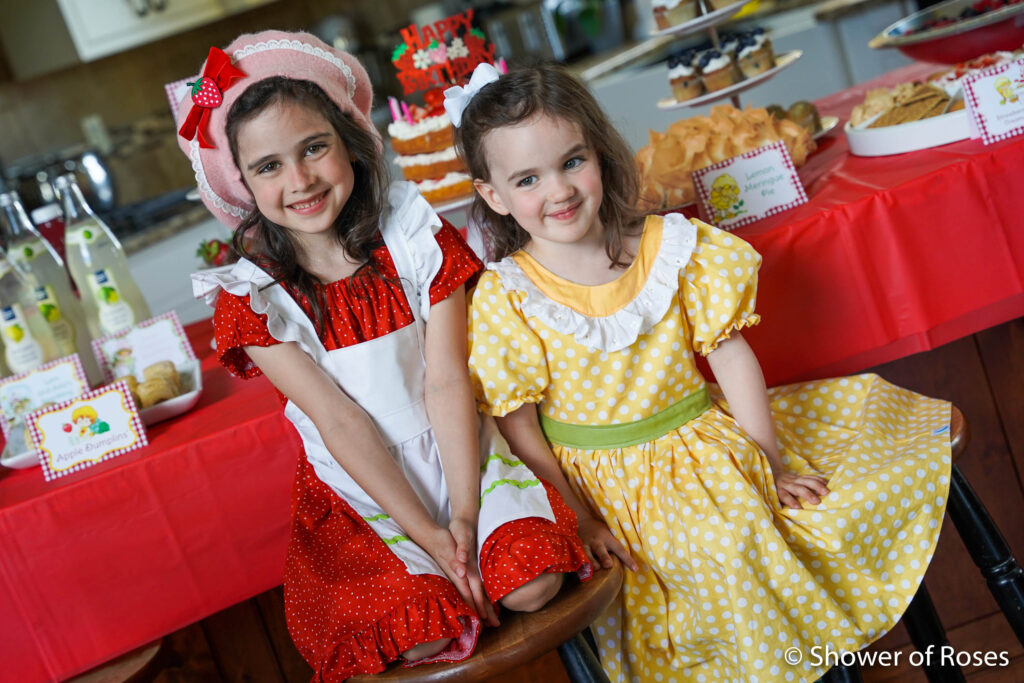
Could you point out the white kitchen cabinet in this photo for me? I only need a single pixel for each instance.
(40, 36)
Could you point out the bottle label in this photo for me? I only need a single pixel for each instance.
(85, 235)
(21, 351)
(49, 308)
(114, 313)
(28, 251)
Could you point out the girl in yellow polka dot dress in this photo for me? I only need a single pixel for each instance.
(756, 521)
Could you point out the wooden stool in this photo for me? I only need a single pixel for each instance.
(522, 637)
(990, 553)
(141, 665)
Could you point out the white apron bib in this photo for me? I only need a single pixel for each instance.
(385, 376)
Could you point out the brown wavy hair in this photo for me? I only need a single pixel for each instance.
(357, 227)
(550, 90)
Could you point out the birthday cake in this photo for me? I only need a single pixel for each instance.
(431, 58)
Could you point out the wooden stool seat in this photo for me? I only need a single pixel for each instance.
(522, 637)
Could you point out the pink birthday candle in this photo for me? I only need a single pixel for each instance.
(502, 67)
(408, 114)
(395, 114)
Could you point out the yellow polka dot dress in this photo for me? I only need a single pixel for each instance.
(729, 580)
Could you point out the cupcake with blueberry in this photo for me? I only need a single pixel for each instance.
(716, 70)
(668, 13)
(755, 55)
(684, 78)
(730, 43)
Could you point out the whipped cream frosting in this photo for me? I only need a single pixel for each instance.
(450, 179)
(425, 159)
(403, 130)
(680, 71)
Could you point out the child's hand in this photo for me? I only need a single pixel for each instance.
(791, 487)
(598, 542)
(470, 585)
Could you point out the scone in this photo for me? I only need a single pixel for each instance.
(155, 390)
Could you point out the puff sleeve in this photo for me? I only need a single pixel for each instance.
(235, 325)
(718, 287)
(507, 361)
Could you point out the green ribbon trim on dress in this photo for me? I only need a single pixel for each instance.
(395, 539)
(511, 482)
(377, 518)
(507, 461)
(602, 437)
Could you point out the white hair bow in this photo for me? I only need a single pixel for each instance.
(457, 98)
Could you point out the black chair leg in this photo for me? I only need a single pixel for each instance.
(580, 662)
(988, 549)
(928, 636)
(843, 674)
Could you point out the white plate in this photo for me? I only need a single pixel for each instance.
(20, 461)
(192, 385)
(781, 62)
(908, 137)
(827, 124)
(455, 204)
(697, 23)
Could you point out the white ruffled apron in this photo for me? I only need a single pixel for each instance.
(385, 376)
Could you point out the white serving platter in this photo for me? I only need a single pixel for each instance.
(781, 62)
(699, 22)
(908, 137)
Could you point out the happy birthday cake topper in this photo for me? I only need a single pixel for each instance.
(440, 54)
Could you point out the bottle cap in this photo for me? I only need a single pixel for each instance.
(46, 213)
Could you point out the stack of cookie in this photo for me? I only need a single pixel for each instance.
(923, 102)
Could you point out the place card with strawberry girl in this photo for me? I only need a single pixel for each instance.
(131, 351)
(78, 433)
(53, 382)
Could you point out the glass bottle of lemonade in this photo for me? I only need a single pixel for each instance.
(110, 298)
(26, 338)
(34, 255)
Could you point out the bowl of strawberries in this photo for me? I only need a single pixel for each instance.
(216, 253)
(956, 30)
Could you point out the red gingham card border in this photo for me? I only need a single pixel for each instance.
(971, 98)
(97, 350)
(787, 160)
(79, 372)
(169, 89)
(32, 419)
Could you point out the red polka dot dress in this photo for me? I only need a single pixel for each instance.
(352, 603)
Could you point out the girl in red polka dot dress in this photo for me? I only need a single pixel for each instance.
(409, 515)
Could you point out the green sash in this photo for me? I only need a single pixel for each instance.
(601, 437)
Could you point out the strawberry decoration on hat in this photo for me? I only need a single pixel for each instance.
(208, 93)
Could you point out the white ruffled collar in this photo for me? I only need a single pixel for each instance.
(620, 329)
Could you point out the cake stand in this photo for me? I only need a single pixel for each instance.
(781, 62)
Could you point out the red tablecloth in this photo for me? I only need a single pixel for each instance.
(94, 564)
(891, 256)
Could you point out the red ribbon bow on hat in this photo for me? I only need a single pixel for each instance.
(207, 93)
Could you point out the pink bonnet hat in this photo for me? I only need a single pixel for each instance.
(258, 56)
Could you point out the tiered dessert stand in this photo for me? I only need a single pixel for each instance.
(708, 19)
